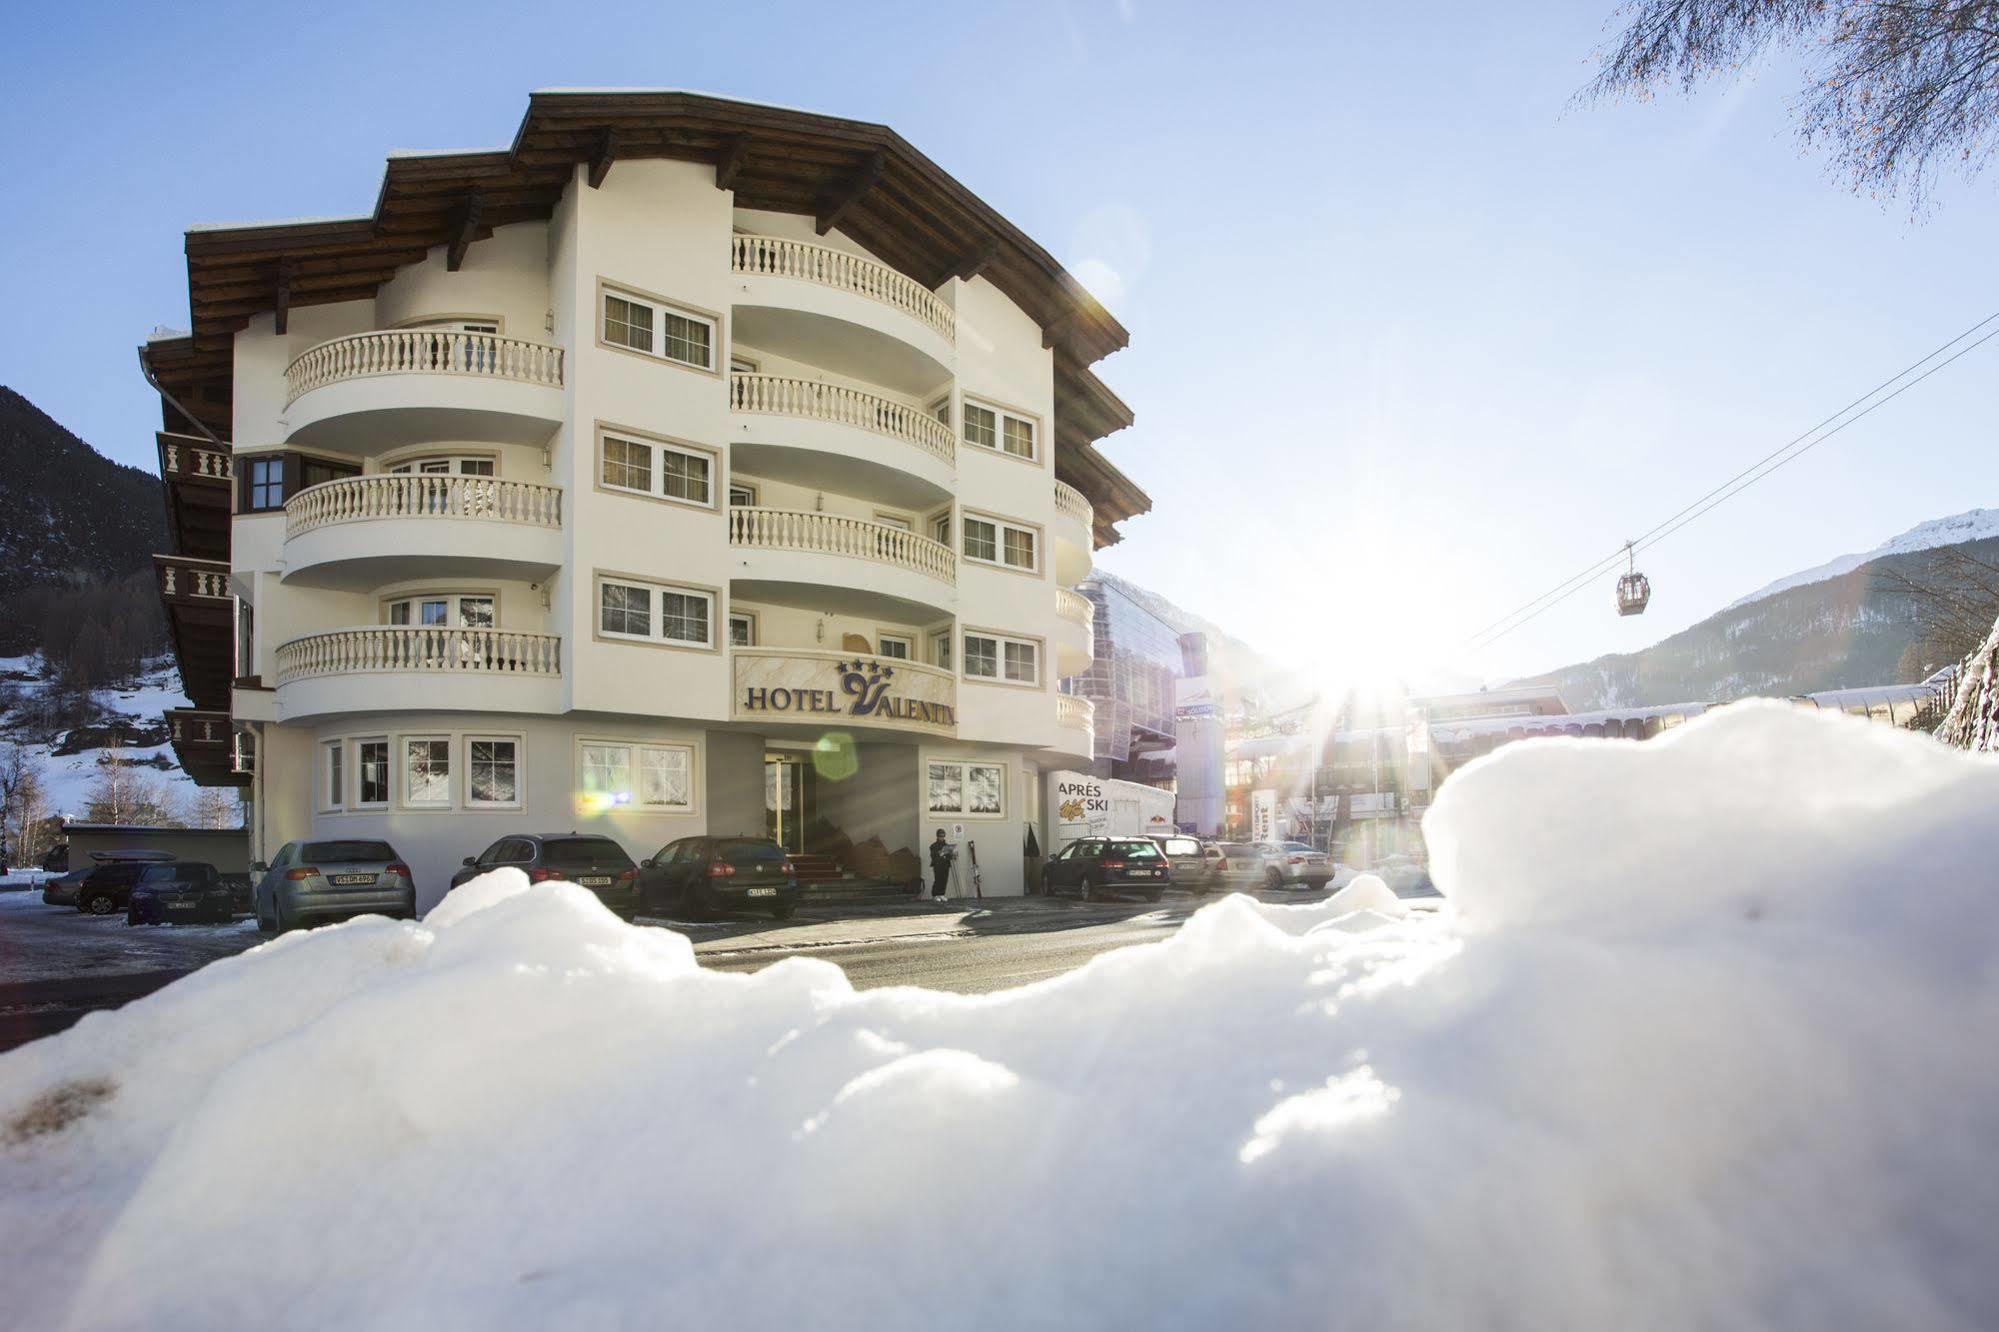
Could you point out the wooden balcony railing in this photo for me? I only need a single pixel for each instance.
(189, 457)
(185, 579)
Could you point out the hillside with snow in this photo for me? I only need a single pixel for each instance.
(1971, 525)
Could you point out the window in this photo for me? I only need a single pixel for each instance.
(653, 777)
(893, 645)
(991, 541)
(742, 365)
(267, 485)
(941, 409)
(332, 788)
(940, 528)
(957, 787)
(1000, 430)
(312, 471)
(742, 495)
(371, 773)
(991, 657)
(657, 469)
(940, 649)
(742, 629)
(444, 611)
(643, 610)
(658, 329)
(492, 771)
(427, 771)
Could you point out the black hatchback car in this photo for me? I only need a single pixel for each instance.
(1090, 866)
(187, 891)
(108, 888)
(700, 876)
(597, 863)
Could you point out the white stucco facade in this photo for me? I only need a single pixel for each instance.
(797, 565)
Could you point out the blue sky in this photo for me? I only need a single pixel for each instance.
(1412, 339)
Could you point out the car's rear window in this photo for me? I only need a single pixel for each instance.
(158, 874)
(1182, 846)
(1135, 850)
(749, 851)
(345, 852)
(582, 851)
(1299, 846)
(1235, 849)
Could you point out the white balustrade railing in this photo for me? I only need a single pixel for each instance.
(428, 648)
(183, 578)
(178, 459)
(1071, 710)
(813, 400)
(423, 351)
(1074, 607)
(418, 495)
(835, 534)
(1069, 502)
(773, 256)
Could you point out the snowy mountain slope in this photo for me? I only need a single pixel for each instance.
(125, 723)
(1971, 525)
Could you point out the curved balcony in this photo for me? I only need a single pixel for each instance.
(378, 668)
(841, 310)
(370, 392)
(840, 564)
(1075, 633)
(836, 438)
(1074, 542)
(1074, 712)
(364, 531)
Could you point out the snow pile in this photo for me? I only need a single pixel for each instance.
(1973, 722)
(1707, 1043)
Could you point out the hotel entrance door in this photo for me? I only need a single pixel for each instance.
(787, 800)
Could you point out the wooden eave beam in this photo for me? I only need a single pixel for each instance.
(971, 264)
(609, 144)
(468, 227)
(730, 164)
(842, 201)
(286, 268)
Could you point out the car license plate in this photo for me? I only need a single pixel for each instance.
(763, 892)
(1143, 873)
(595, 881)
(351, 879)
(180, 906)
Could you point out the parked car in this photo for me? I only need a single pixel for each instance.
(595, 862)
(1406, 877)
(310, 883)
(62, 890)
(700, 876)
(1276, 865)
(183, 891)
(1196, 863)
(107, 888)
(1090, 866)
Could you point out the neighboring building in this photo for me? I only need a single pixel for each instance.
(688, 466)
(1135, 666)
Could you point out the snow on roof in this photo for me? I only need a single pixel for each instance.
(442, 152)
(684, 92)
(282, 222)
(163, 333)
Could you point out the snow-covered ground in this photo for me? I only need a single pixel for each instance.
(67, 778)
(1971, 525)
(1705, 1042)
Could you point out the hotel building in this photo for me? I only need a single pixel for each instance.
(686, 466)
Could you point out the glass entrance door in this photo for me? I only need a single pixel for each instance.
(785, 801)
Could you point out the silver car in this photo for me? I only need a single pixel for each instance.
(309, 883)
(1196, 864)
(1255, 865)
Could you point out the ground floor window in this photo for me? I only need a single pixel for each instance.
(492, 771)
(371, 773)
(656, 777)
(962, 787)
(332, 788)
(427, 771)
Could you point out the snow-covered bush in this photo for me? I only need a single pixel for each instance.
(1706, 1042)
(1973, 722)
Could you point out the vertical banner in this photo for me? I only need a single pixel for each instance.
(1263, 815)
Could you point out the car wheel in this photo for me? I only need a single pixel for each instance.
(1272, 879)
(1087, 889)
(99, 904)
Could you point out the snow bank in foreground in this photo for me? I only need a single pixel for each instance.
(1709, 1043)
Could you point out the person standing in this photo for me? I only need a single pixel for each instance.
(942, 853)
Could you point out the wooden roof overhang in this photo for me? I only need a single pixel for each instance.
(198, 479)
(862, 177)
(202, 624)
(203, 741)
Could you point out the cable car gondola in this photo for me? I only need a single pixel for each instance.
(1633, 589)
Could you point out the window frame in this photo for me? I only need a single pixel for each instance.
(1001, 641)
(402, 774)
(388, 772)
(251, 485)
(661, 307)
(519, 742)
(331, 783)
(906, 641)
(963, 809)
(1002, 414)
(749, 617)
(941, 654)
(635, 751)
(656, 625)
(656, 446)
(455, 598)
(1001, 527)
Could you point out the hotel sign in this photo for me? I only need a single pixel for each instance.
(825, 689)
